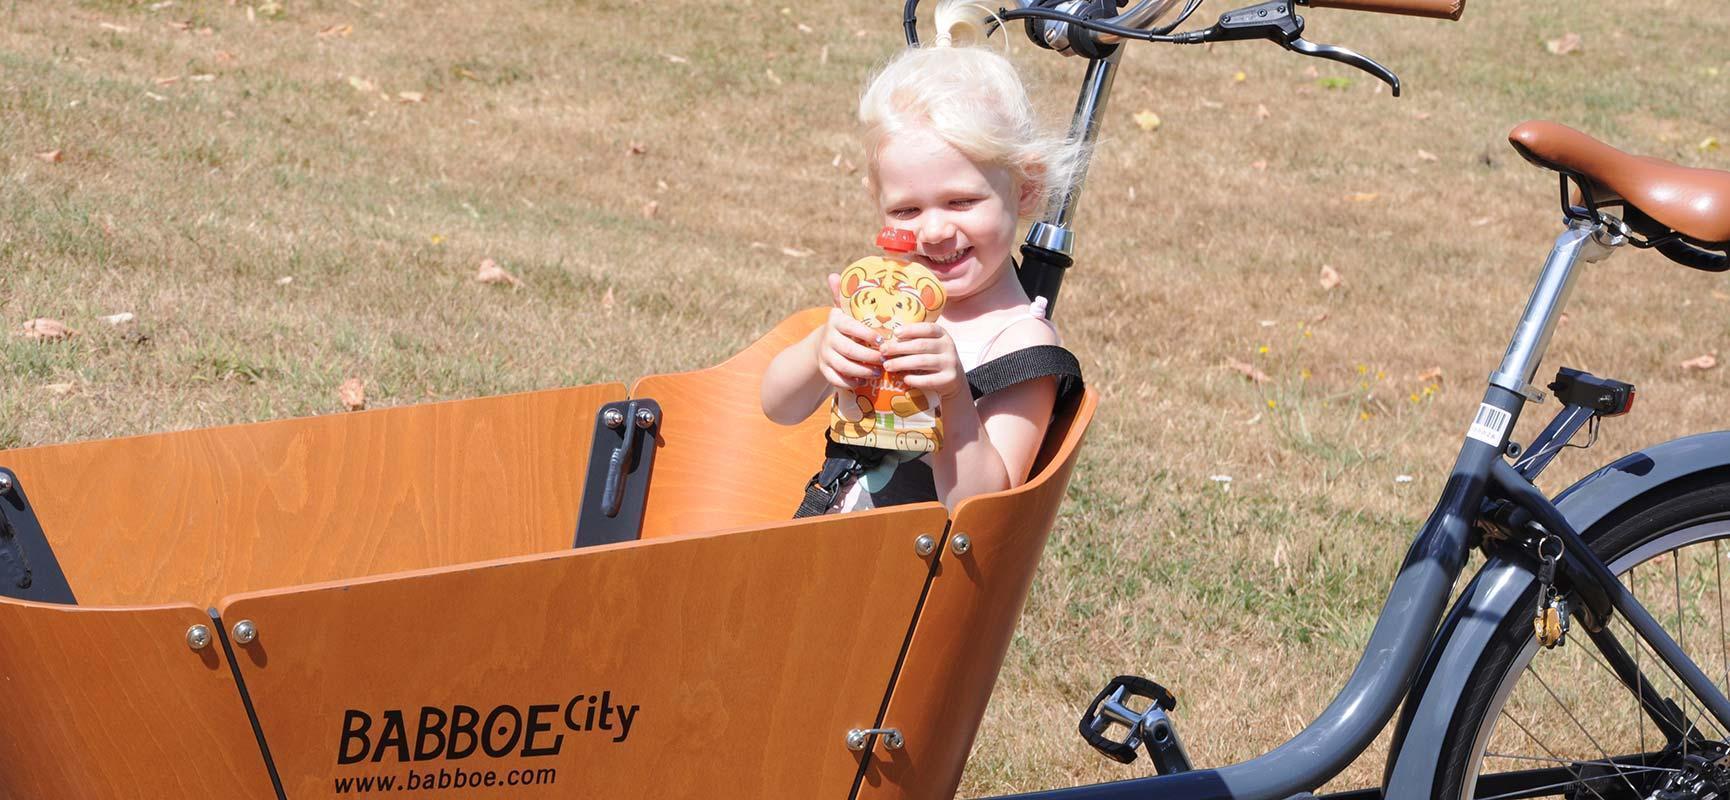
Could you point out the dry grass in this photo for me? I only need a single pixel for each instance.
(186, 202)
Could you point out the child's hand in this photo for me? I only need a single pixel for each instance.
(924, 355)
(847, 349)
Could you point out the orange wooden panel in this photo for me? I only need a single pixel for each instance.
(746, 657)
(194, 515)
(722, 463)
(965, 627)
(112, 703)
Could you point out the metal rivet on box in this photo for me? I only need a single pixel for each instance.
(198, 637)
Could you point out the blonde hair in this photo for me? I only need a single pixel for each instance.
(972, 99)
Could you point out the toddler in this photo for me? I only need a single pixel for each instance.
(956, 156)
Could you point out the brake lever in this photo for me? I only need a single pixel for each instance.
(1278, 22)
(1348, 57)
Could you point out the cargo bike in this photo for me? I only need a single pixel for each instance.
(563, 594)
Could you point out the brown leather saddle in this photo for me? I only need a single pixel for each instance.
(1664, 202)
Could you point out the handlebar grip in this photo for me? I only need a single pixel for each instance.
(1439, 9)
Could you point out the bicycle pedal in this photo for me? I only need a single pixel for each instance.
(1151, 728)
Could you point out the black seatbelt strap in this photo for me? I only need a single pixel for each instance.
(1030, 363)
(826, 484)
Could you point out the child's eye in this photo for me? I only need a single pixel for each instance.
(964, 203)
(904, 213)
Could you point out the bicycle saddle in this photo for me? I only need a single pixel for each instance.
(1692, 202)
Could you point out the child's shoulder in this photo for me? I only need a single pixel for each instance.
(1014, 329)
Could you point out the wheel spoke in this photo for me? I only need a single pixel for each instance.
(1577, 723)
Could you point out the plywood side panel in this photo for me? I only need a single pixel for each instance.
(111, 703)
(193, 515)
(744, 658)
(722, 463)
(964, 629)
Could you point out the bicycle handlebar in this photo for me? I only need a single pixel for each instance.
(1438, 9)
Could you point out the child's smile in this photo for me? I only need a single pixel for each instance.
(963, 213)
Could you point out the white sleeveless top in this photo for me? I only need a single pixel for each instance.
(853, 496)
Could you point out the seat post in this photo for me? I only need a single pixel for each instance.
(1586, 239)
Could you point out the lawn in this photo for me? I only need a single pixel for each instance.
(281, 196)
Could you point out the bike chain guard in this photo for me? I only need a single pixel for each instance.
(1151, 728)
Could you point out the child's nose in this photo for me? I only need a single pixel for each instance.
(936, 231)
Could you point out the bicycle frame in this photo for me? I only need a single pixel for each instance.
(1406, 640)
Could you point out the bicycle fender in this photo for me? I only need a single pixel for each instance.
(1415, 759)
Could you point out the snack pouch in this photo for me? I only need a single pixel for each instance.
(887, 292)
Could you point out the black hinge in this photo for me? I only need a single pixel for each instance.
(28, 568)
(620, 461)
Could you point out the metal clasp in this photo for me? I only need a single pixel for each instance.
(857, 738)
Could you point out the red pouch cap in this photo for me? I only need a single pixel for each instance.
(897, 240)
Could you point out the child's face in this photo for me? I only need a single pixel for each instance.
(963, 213)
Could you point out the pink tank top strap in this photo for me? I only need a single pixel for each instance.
(1035, 310)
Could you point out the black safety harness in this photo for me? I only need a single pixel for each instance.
(844, 461)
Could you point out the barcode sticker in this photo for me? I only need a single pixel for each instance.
(1491, 425)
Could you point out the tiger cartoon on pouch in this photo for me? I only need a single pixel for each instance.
(886, 294)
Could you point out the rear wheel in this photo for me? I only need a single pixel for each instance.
(1563, 717)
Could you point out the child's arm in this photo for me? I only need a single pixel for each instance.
(988, 446)
(804, 376)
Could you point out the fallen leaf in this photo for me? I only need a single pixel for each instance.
(676, 59)
(1362, 197)
(607, 301)
(1425, 155)
(52, 156)
(59, 388)
(109, 26)
(796, 252)
(1147, 120)
(1402, 479)
(823, 55)
(1261, 111)
(43, 329)
(1247, 370)
(661, 186)
(1330, 278)
(491, 273)
(803, 28)
(1239, 77)
(159, 6)
(636, 149)
(201, 78)
(168, 80)
(1319, 318)
(119, 319)
(1704, 362)
(352, 393)
(410, 97)
(1569, 43)
(1258, 164)
(650, 209)
(1482, 221)
(342, 31)
(1709, 143)
(181, 25)
(362, 85)
(773, 78)
(154, 96)
(285, 280)
(1431, 375)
